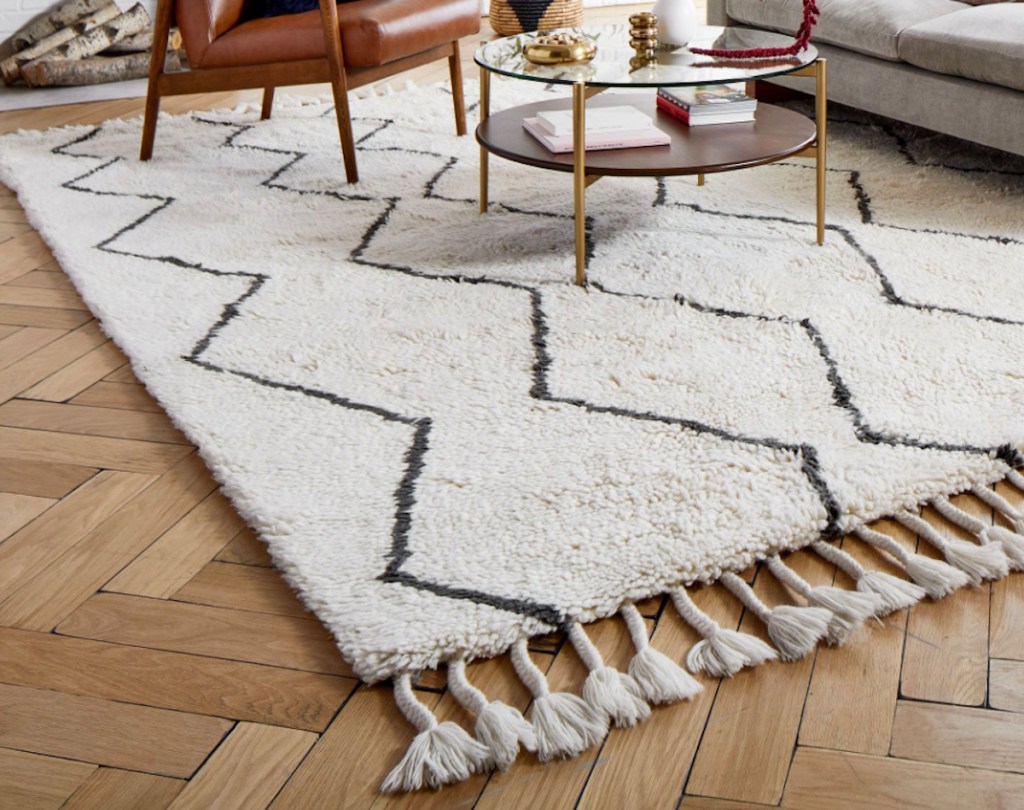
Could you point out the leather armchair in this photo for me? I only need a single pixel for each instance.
(349, 45)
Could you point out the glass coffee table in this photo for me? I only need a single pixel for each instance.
(776, 133)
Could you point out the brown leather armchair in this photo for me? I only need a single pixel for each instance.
(349, 45)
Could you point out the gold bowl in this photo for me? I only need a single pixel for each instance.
(549, 53)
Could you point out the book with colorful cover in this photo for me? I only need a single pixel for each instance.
(598, 119)
(709, 99)
(615, 139)
(725, 117)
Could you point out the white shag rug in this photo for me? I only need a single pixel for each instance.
(449, 447)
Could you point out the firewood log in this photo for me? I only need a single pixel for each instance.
(91, 42)
(11, 67)
(136, 43)
(54, 20)
(98, 70)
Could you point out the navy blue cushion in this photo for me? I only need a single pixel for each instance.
(274, 8)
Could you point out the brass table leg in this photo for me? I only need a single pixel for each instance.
(820, 120)
(485, 110)
(700, 179)
(579, 177)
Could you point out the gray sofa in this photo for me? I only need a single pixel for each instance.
(939, 64)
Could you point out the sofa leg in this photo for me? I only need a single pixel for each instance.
(455, 71)
(268, 103)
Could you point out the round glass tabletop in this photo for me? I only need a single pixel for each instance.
(611, 66)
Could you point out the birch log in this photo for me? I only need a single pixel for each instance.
(136, 43)
(11, 67)
(73, 72)
(91, 42)
(51, 22)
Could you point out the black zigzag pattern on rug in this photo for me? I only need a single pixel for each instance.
(415, 455)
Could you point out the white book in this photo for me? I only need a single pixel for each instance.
(598, 119)
(619, 139)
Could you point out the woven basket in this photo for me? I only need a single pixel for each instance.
(516, 16)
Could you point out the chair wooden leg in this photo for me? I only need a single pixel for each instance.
(268, 103)
(455, 71)
(161, 31)
(339, 86)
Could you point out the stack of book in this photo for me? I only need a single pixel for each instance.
(707, 104)
(606, 128)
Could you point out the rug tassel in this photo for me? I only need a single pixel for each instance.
(498, 726)
(565, 725)
(794, 631)
(893, 593)
(1016, 479)
(978, 562)
(606, 689)
(661, 680)
(721, 653)
(440, 753)
(849, 609)
(936, 577)
(1001, 505)
(1011, 542)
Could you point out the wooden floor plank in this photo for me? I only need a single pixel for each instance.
(168, 680)
(243, 587)
(24, 341)
(113, 789)
(34, 782)
(79, 375)
(369, 736)
(748, 760)
(1006, 685)
(178, 555)
(129, 455)
(41, 479)
(956, 735)
(41, 297)
(44, 540)
(43, 318)
(946, 657)
(259, 638)
(124, 396)
(835, 780)
(89, 421)
(52, 357)
(855, 714)
(122, 374)
(648, 766)
(246, 549)
(247, 769)
(22, 254)
(43, 601)
(17, 510)
(43, 279)
(120, 735)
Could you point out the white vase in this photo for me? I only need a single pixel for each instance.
(677, 21)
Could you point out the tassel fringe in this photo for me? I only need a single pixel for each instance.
(439, 754)
(722, 653)
(606, 689)
(661, 680)
(563, 725)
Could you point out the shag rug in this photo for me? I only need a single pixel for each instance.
(448, 447)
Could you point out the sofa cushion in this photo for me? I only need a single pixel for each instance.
(985, 43)
(870, 27)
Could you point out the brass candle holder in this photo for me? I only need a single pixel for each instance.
(643, 37)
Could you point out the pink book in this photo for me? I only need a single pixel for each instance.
(650, 136)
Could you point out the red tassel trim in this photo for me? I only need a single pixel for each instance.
(803, 38)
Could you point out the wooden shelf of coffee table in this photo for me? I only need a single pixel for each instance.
(776, 133)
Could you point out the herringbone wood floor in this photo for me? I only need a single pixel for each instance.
(150, 657)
